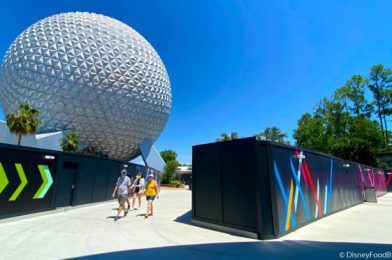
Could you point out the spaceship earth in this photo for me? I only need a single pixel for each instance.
(92, 74)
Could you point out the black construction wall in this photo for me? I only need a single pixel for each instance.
(272, 189)
(29, 162)
(95, 178)
(239, 190)
(224, 186)
(77, 179)
(207, 198)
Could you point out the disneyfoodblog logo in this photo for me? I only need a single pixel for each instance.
(366, 255)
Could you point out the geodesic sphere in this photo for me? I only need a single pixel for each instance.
(92, 74)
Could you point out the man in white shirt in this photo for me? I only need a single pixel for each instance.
(122, 188)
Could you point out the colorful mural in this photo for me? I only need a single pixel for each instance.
(310, 185)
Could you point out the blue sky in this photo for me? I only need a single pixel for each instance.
(239, 65)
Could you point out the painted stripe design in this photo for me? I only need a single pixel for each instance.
(23, 182)
(330, 185)
(299, 180)
(313, 189)
(3, 179)
(285, 199)
(318, 196)
(326, 199)
(290, 205)
(47, 182)
(300, 191)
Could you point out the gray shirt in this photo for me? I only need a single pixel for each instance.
(122, 185)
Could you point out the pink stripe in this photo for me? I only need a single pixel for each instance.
(304, 175)
(389, 179)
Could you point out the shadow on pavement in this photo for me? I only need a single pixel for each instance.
(113, 217)
(185, 218)
(255, 250)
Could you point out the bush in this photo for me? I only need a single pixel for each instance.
(169, 171)
(174, 182)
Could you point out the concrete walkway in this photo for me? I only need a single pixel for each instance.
(90, 232)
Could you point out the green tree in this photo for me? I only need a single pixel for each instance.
(272, 134)
(170, 158)
(227, 136)
(342, 126)
(310, 133)
(169, 171)
(334, 131)
(70, 141)
(335, 118)
(352, 96)
(24, 122)
(366, 141)
(169, 155)
(380, 85)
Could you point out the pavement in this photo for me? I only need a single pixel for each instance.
(91, 233)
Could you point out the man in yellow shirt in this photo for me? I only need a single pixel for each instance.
(151, 192)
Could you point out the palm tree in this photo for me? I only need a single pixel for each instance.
(272, 134)
(227, 136)
(24, 122)
(70, 141)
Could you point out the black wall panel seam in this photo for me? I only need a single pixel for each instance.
(272, 189)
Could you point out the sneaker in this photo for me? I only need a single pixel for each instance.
(116, 218)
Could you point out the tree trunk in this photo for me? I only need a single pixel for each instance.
(19, 138)
(379, 109)
(386, 130)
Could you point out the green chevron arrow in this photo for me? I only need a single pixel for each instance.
(3, 179)
(47, 182)
(23, 182)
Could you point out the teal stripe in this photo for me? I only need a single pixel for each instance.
(50, 181)
(326, 199)
(330, 184)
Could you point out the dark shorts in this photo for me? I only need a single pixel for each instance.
(152, 198)
(121, 198)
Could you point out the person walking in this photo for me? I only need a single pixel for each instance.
(138, 190)
(128, 199)
(122, 189)
(152, 192)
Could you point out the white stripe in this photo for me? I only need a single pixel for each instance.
(325, 199)
(318, 195)
(299, 181)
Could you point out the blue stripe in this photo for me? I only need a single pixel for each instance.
(280, 184)
(281, 187)
(325, 199)
(330, 185)
(300, 191)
